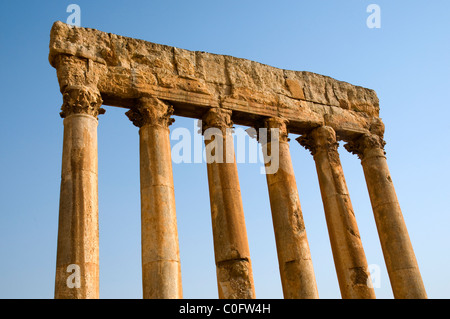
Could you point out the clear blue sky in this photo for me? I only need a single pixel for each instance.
(406, 61)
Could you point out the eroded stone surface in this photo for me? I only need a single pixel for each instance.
(126, 69)
(78, 237)
(161, 268)
(294, 257)
(348, 253)
(401, 263)
(96, 68)
(231, 250)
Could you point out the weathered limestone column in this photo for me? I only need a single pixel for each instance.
(294, 257)
(77, 261)
(399, 256)
(161, 270)
(348, 253)
(231, 250)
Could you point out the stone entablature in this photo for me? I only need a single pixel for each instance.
(125, 69)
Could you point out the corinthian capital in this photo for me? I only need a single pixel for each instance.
(217, 118)
(323, 137)
(151, 111)
(365, 144)
(81, 100)
(277, 123)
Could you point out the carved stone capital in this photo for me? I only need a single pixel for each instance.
(151, 111)
(277, 123)
(218, 118)
(323, 137)
(81, 100)
(364, 144)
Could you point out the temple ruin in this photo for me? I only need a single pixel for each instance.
(156, 81)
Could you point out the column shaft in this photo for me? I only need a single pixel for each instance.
(231, 250)
(161, 268)
(77, 261)
(294, 257)
(398, 252)
(348, 253)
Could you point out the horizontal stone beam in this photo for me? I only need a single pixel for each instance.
(126, 69)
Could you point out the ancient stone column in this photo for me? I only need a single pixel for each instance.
(161, 270)
(399, 256)
(294, 257)
(77, 261)
(348, 253)
(231, 250)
